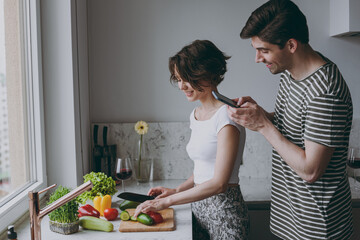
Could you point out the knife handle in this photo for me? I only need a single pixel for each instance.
(95, 134)
(105, 135)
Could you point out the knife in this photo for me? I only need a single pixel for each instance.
(97, 151)
(106, 153)
(135, 197)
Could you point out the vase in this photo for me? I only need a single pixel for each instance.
(142, 163)
(64, 228)
(143, 169)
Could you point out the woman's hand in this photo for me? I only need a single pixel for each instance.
(152, 205)
(161, 192)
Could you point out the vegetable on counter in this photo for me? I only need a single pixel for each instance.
(148, 218)
(126, 204)
(111, 214)
(145, 219)
(102, 203)
(66, 213)
(125, 216)
(156, 216)
(98, 224)
(103, 185)
(88, 210)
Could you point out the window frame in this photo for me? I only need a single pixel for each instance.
(30, 27)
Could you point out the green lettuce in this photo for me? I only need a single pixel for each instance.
(103, 185)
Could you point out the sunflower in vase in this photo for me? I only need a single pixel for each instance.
(141, 127)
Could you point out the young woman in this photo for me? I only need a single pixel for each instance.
(216, 146)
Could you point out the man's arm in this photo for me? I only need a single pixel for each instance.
(309, 164)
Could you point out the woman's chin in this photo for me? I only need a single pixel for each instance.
(191, 99)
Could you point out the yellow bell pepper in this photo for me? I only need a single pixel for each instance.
(102, 203)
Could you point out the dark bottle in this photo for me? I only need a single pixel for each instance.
(11, 233)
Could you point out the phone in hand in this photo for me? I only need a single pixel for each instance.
(225, 100)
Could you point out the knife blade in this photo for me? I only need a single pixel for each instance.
(135, 197)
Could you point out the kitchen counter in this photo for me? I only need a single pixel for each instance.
(253, 189)
(182, 213)
(256, 192)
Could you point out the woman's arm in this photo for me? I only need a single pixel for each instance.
(161, 192)
(189, 183)
(227, 148)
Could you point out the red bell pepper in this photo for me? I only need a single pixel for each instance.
(88, 210)
(156, 216)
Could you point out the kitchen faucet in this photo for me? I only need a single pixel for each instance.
(36, 214)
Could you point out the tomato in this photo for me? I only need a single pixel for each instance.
(111, 214)
(156, 216)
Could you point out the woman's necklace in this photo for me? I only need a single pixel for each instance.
(203, 115)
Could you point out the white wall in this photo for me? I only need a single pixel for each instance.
(130, 43)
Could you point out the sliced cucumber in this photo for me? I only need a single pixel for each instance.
(145, 219)
(125, 216)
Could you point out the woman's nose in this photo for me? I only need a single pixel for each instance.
(182, 85)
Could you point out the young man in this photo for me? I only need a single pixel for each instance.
(309, 130)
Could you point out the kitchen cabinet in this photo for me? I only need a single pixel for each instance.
(344, 18)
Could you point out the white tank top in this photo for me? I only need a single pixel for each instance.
(202, 145)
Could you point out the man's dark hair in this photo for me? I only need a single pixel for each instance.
(200, 63)
(276, 22)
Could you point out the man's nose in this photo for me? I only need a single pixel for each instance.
(258, 57)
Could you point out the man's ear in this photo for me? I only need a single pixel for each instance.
(292, 45)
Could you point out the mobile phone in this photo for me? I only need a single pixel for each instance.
(225, 100)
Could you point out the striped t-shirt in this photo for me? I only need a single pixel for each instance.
(319, 109)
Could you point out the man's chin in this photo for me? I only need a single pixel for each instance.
(274, 72)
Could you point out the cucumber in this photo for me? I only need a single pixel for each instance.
(126, 204)
(145, 219)
(125, 216)
(93, 223)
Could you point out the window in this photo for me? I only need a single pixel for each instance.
(22, 165)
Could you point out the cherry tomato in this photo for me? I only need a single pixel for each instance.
(111, 214)
(155, 216)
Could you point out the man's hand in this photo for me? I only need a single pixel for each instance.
(249, 115)
(242, 100)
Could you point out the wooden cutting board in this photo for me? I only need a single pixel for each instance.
(167, 225)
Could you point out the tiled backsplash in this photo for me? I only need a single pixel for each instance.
(166, 142)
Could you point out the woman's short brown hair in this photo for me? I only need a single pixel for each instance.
(200, 63)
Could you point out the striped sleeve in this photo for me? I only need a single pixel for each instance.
(326, 121)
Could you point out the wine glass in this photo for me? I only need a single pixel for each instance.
(123, 170)
(354, 163)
